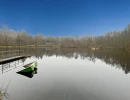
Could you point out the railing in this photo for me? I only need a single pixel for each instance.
(12, 53)
(10, 66)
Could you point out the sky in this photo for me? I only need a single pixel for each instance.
(65, 17)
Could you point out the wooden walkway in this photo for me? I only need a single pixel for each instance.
(7, 60)
(9, 56)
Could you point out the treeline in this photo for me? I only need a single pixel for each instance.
(115, 39)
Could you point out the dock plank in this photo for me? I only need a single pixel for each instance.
(6, 60)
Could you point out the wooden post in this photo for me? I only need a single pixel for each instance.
(15, 63)
(9, 65)
(2, 68)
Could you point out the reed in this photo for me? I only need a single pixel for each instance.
(4, 93)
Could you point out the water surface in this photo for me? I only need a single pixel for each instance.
(70, 75)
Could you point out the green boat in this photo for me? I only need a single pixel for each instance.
(29, 67)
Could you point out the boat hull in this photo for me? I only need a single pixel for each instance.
(28, 74)
(30, 68)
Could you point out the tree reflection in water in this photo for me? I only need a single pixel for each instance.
(114, 57)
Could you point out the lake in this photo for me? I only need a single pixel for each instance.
(69, 74)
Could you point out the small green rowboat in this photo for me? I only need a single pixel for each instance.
(30, 67)
(30, 70)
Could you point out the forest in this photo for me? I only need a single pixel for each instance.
(114, 39)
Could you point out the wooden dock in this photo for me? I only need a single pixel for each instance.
(9, 58)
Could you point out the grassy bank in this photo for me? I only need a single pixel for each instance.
(31, 46)
(58, 46)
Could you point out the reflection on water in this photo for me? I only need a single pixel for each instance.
(5, 67)
(29, 74)
(116, 58)
(71, 74)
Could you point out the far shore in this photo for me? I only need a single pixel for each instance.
(60, 47)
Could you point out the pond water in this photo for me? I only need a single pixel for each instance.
(70, 75)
